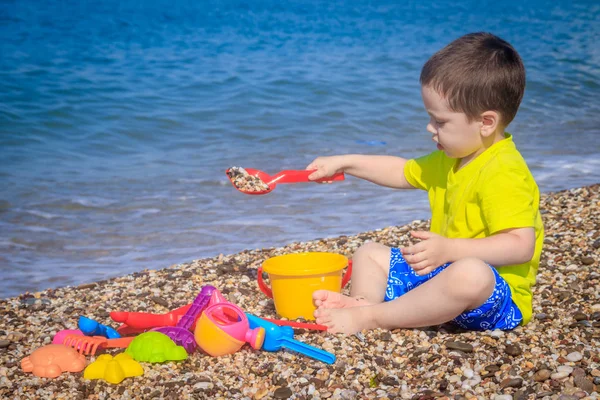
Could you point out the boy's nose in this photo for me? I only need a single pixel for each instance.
(430, 129)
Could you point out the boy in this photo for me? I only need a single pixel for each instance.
(477, 264)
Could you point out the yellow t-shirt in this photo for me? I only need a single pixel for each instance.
(495, 191)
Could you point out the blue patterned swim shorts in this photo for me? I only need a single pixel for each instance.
(498, 312)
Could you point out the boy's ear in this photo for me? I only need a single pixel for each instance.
(489, 122)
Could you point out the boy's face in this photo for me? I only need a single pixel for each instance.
(452, 131)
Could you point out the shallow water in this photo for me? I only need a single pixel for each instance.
(118, 120)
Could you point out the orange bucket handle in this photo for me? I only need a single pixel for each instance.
(269, 293)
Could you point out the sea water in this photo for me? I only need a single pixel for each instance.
(118, 120)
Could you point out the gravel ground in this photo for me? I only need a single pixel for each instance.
(556, 356)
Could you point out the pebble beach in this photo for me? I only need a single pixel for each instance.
(555, 356)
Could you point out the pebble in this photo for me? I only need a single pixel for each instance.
(587, 260)
(204, 385)
(4, 343)
(574, 356)
(348, 394)
(513, 350)
(473, 381)
(492, 368)
(282, 393)
(520, 395)
(559, 375)
(468, 373)
(583, 383)
(511, 382)
(390, 381)
(542, 375)
(497, 333)
(87, 286)
(160, 301)
(29, 301)
(393, 364)
(467, 348)
(565, 368)
(580, 317)
(317, 383)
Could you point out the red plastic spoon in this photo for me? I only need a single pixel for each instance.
(287, 176)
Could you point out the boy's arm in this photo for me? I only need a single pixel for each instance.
(382, 170)
(507, 247)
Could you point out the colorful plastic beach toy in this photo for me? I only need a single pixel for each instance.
(52, 360)
(90, 327)
(223, 329)
(300, 325)
(155, 347)
(294, 277)
(232, 320)
(136, 322)
(140, 321)
(90, 344)
(216, 298)
(113, 370)
(287, 176)
(277, 337)
(180, 333)
(59, 338)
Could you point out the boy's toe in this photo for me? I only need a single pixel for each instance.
(320, 296)
(323, 317)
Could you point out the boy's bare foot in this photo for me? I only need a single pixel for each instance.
(342, 320)
(329, 299)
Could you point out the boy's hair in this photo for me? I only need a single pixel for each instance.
(476, 73)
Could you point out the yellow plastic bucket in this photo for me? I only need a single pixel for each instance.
(294, 278)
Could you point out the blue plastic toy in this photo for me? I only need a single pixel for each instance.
(89, 327)
(277, 337)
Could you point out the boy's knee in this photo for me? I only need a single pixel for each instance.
(373, 252)
(368, 249)
(473, 277)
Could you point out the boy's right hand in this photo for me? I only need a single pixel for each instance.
(325, 167)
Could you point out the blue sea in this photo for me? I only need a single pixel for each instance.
(118, 120)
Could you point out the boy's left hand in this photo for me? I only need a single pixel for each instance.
(428, 254)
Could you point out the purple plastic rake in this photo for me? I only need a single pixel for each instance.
(181, 334)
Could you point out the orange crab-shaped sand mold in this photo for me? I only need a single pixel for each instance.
(52, 360)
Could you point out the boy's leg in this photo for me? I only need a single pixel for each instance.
(370, 266)
(465, 284)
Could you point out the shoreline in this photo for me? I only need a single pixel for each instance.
(556, 354)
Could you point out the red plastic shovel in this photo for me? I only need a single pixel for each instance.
(287, 176)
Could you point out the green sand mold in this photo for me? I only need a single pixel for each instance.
(155, 347)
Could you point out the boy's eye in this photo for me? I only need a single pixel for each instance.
(439, 123)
